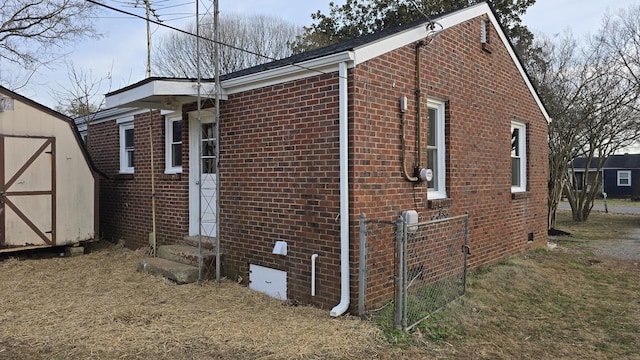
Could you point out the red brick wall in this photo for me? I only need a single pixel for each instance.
(280, 181)
(125, 199)
(483, 92)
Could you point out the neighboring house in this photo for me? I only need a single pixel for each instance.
(579, 167)
(622, 176)
(619, 175)
(310, 142)
(48, 187)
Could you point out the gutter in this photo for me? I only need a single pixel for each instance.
(343, 306)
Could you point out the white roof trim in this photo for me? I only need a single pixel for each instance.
(372, 50)
(369, 51)
(503, 37)
(158, 88)
(326, 64)
(109, 115)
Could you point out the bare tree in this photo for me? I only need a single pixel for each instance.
(592, 95)
(609, 121)
(556, 70)
(83, 98)
(611, 102)
(620, 36)
(263, 37)
(32, 32)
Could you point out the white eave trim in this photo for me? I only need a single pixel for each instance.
(509, 48)
(108, 115)
(372, 50)
(159, 88)
(325, 64)
(369, 51)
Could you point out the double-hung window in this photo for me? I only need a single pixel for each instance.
(624, 177)
(436, 187)
(126, 147)
(173, 144)
(518, 157)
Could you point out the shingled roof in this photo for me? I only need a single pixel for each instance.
(346, 45)
(626, 161)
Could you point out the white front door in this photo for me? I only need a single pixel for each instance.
(202, 174)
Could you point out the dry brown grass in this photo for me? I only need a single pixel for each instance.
(569, 303)
(97, 306)
(599, 226)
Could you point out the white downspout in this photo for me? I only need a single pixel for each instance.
(344, 195)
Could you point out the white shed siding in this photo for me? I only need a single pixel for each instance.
(75, 185)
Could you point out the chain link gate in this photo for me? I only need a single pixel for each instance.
(432, 266)
(377, 263)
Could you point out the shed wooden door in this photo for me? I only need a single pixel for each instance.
(27, 191)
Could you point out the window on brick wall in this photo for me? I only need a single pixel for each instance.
(173, 144)
(624, 177)
(436, 150)
(518, 157)
(126, 148)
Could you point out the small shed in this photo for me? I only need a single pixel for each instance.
(48, 186)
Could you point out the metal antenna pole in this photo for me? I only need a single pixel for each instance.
(216, 48)
(199, 135)
(148, 11)
(152, 237)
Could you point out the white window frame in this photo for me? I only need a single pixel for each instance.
(439, 175)
(124, 166)
(522, 150)
(628, 173)
(168, 141)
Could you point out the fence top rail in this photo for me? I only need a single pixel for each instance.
(393, 222)
(380, 221)
(440, 220)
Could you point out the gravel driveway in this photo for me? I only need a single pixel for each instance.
(612, 209)
(624, 249)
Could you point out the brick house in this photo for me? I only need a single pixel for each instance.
(308, 143)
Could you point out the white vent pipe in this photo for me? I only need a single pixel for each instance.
(313, 274)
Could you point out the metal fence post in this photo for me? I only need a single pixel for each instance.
(398, 321)
(405, 275)
(362, 278)
(466, 252)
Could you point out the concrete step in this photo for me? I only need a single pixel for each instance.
(186, 255)
(180, 273)
(208, 242)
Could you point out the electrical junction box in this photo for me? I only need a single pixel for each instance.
(411, 219)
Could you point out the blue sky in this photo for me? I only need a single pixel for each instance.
(123, 48)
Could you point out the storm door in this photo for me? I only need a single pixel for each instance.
(203, 177)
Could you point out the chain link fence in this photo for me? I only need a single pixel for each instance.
(432, 267)
(422, 267)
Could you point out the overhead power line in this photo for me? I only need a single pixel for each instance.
(199, 36)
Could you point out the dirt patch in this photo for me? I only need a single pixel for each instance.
(98, 306)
